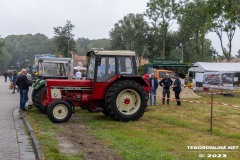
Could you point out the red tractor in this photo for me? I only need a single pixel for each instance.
(112, 86)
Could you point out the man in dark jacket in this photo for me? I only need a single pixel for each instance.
(153, 88)
(22, 83)
(166, 84)
(177, 89)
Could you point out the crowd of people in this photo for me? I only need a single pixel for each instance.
(166, 83)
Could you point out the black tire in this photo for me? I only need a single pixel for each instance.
(105, 111)
(134, 104)
(53, 111)
(34, 98)
(40, 94)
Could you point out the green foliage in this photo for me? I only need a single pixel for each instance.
(2, 44)
(141, 70)
(64, 39)
(130, 33)
(238, 54)
(225, 16)
(22, 47)
(5, 56)
(84, 44)
(194, 24)
(162, 13)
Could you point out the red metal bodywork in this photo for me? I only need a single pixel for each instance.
(83, 92)
(79, 92)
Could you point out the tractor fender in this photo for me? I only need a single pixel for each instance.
(36, 83)
(39, 84)
(137, 79)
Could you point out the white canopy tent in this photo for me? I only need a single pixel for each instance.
(215, 67)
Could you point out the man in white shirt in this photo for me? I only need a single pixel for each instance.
(79, 74)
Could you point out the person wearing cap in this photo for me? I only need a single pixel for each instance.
(153, 88)
(177, 89)
(166, 84)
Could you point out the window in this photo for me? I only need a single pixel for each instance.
(53, 69)
(106, 70)
(162, 74)
(125, 65)
(91, 68)
(171, 75)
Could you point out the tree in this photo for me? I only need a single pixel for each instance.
(64, 39)
(5, 56)
(162, 13)
(238, 54)
(225, 17)
(2, 44)
(23, 47)
(194, 24)
(85, 44)
(130, 33)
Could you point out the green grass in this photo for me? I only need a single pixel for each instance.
(45, 132)
(166, 131)
(163, 133)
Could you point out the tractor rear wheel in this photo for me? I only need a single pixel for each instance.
(126, 100)
(105, 111)
(59, 111)
(41, 96)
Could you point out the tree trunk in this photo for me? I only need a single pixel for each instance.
(163, 55)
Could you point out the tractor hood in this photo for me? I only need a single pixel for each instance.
(72, 84)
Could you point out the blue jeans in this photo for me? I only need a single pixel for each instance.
(23, 98)
(152, 93)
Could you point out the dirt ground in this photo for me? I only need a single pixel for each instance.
(186, 93)
(76, 139)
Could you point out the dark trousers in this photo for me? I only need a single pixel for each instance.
(5, 79)
(166, 91)
(177, 97)
(23, 98)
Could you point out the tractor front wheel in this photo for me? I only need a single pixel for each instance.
(59, 111)
(126, 100)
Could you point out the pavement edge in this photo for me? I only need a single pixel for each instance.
(36, 144)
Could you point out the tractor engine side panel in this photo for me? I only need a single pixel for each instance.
(77, 91)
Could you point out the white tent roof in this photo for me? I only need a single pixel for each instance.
(215, 67)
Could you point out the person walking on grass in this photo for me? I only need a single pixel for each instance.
(153, 88)
(166, 84)
(23, 86)
(177, 89)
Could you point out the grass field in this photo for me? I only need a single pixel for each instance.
(163, 133)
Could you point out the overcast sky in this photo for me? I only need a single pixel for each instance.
(93, 19)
